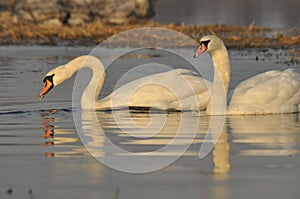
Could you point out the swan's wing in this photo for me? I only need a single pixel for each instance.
(269, 92)
(163, 90)
(198, 83)
(201, 88)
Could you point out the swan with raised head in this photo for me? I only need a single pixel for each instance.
(271, 92)
(178, 89)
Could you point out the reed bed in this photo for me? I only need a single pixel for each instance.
(251, 36)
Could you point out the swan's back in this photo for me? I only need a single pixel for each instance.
(271, 92)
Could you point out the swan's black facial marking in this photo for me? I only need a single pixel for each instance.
(48, 85)
(205, 43)
(202, 48)
(49, 77)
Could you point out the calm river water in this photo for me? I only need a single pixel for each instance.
(41, 155)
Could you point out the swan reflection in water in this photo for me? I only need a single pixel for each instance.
(63, 139)
(269, 135)
(138, 132)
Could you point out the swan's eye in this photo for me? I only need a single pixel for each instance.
(205, 43)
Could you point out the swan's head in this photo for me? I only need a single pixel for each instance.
(54, 78)
(210, 44)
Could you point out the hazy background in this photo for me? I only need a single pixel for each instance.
(269, 13)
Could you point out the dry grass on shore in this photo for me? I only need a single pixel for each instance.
(94, 33)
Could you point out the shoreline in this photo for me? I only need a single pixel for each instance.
(251, 36)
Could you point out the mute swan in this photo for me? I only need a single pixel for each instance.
(171, 90)
(272, 92)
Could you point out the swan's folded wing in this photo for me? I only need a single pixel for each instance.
(269, 92)
(163, 90)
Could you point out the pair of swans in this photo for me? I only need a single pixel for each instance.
(272, 92)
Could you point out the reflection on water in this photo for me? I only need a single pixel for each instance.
(143, 132)
(65, 140)
(270, 135)
(221, 153)
(246, 141)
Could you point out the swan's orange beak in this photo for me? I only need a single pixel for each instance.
(202, 48)
(48, 85)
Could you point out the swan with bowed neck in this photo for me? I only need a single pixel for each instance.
(272, 92)
(178, 89)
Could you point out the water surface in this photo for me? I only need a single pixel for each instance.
(42, 156)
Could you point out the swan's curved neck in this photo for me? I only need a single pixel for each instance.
(91, 92)
(221, 82)
(221, 68)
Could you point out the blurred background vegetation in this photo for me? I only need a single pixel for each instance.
(241, 23)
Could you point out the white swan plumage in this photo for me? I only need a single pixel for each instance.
(171, 90)
(271, 92)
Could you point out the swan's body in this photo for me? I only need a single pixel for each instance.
(156, 91)
(172, 90)
(272, 92)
